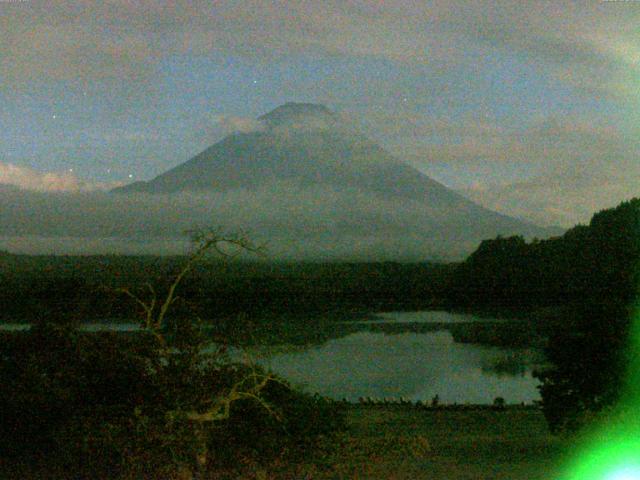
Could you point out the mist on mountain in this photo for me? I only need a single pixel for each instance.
(303, 181)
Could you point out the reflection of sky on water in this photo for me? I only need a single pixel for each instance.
(14, 327)
(427, 316)
(416, 366)
(87, 327)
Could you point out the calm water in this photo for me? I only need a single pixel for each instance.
(375, 364)
(416, 366)
(87, 327)
(424, 316)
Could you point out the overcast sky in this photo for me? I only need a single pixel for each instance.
(530, 108)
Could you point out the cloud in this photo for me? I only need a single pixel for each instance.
(555, 170)
(552, 199)
(421, 139)
(592, 46)
(296, 222)
(212, 128)
(569, 141)
(228, 124)
(30, 179)
(573, 169)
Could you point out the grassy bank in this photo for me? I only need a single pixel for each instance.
(395, 442)
(400, 442)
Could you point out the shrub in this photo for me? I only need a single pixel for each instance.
(146, 404)
(588, 364)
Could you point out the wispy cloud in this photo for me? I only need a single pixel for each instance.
(556, 199)
(30, 179)
(297, 221)
(556, 170)
(228, 124)
(590, 45)
(574, 169)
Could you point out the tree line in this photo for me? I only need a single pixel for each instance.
(580, 290)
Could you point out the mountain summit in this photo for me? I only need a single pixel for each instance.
(303, 144)
(305, 152)
(298, 113)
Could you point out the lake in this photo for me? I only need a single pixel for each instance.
(417, 366)
(405, 363)
(424, 316)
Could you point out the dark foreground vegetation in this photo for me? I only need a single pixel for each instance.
(108, 405)
(148, 405)
(398, 442)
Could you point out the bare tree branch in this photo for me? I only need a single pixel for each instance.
(250, 385)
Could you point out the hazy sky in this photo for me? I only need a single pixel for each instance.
(531, 108)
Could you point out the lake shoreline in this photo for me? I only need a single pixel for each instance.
(414, 355)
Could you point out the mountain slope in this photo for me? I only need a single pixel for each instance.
(305, 146)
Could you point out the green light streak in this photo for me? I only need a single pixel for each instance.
(611, 450)
(614, 457)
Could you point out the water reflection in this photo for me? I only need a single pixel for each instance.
(401, 354)
(416, 366)
(426, 316)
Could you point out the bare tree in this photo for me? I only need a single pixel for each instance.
(202, 414)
